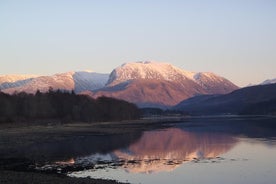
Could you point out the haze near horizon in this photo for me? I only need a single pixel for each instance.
(234, 39)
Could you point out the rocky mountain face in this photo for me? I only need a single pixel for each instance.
(151, 84)
(148, 84)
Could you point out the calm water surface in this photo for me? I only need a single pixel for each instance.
(197, 150)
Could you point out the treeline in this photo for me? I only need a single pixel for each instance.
(151, 112)
(261, 108)
(64, 106)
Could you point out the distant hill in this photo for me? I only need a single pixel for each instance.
(269, 81)
(250, 100)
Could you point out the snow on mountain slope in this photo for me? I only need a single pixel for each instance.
(14, 78)
(77, 81)
(148, 70)
(62, 81)
(213, 83)
(18, 83)
(151, 84)
(164, 71)
(269, 81)
(89, 81)
(144, 83)
(13, 81)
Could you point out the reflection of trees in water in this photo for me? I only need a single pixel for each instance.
(71, 147)
(164, 150)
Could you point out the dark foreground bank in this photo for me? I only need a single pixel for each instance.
(11, 177)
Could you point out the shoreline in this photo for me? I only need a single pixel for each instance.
(11, 177)
(20, 145)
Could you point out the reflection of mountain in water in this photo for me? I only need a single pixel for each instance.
(164, 150)
(137, 151)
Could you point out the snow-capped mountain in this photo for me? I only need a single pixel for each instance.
(269, 81)
(62, 81)
(160, 84)
(7, 85)
(213, 83)
(148, 70)
(14, 78)
(12, 81)
(148, 84)
(167, 72)
(78, 81)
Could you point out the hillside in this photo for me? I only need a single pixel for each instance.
(236, 102)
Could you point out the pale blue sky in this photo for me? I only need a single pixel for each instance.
(235, 39)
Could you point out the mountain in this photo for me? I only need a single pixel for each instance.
(147, 84)
(89, 81)
(249, 100)
(78, 81)
(269, 81)
(14, 78)
(12, 81)
(152, 84)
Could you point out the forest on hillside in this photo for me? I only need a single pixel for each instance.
(63, 106)
(261, 108)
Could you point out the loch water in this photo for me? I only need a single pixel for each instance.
(223, 149)
(207, 149)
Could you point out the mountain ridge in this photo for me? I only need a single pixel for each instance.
(77, 81)
(152, 84)
(269, 81)
(147, 83)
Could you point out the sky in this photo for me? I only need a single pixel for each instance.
(235, 39)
